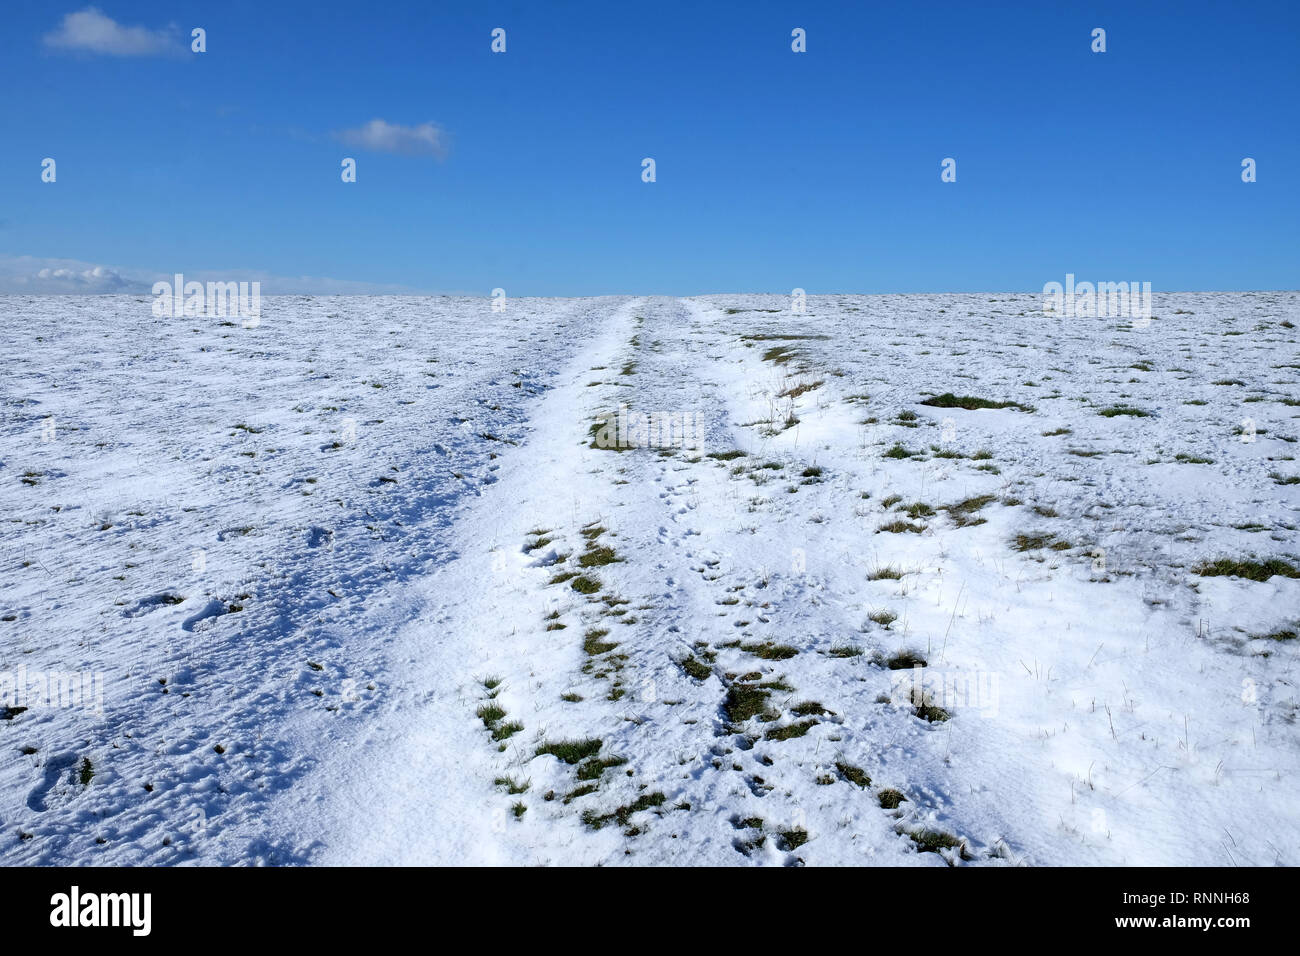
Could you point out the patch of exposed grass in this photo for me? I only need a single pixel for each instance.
(890, 799)
(898, 451)
(585, 585)
(769, 651)
(598, 557)
(792, 839)
(1035, 542)
(745, 701)
(794, 391)
(965, 513)
(846, 650)
(646, 801)
(779, 354)
(904, 660)
(968, 402)
(580, 791)
(505, 731)
(882, 616)
(932, 841)
(790, 731)
(885, 572)
(808, 708)
(1251, 570)
(592, 643)
(1116, 410)
(775, 336)
(855, 775)
(928, 710)
(512, 786)
(695, 668)
(593, 769)
(571, 751)
(900, 526)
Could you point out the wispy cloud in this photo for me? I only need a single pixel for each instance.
(427, 139)
(91, 30)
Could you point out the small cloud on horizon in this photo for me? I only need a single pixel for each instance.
(40, 276)
(92, 31)
(380, 136)
(62, 276)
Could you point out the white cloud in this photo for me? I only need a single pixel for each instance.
(28, 274)
(97, 279)
(91, 30)
(37, 276)
(378, 135)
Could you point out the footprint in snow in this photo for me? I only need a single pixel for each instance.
(152, 603)
(213, 608)
(55, 768)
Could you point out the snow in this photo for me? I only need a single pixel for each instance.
(297, 555)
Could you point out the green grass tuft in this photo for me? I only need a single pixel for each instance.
(745, 701)
(1252, 570)
(571, 751)
(853, 774)
(968, 402)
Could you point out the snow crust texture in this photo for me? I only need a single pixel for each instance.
(897, 580)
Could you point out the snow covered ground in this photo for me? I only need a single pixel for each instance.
(367, 584)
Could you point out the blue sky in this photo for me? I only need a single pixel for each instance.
(774, 169)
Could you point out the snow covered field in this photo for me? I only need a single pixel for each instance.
(368, 584)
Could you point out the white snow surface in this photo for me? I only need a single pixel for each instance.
(303, 556)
